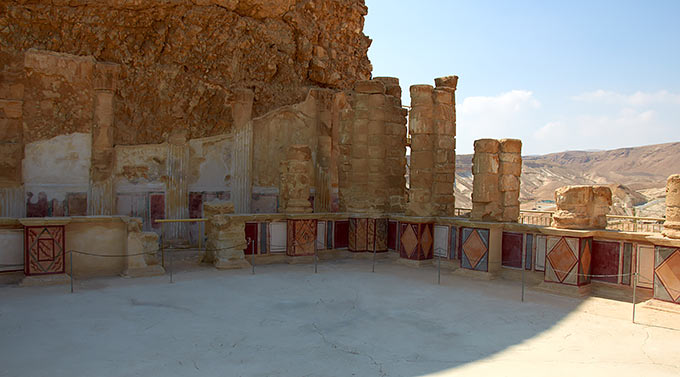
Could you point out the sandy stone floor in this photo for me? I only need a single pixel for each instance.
(344, 321)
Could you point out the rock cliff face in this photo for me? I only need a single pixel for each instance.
(182, 61)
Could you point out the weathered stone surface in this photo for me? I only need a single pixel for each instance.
(226, 239)
(672, 223)
(446, 82)
(497, 165)
(582, 207)
(369, 87)
(183, 61)
(296, 180)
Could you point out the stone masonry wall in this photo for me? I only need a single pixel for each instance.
(296, 180)
(181, 62)
(672, 223)
(432, 123)
(582, 207)
(496, 169)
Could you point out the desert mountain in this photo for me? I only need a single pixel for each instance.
(637, 177)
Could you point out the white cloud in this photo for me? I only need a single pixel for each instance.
(636, 99)
(501, 116)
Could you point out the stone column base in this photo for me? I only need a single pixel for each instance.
(45, 280)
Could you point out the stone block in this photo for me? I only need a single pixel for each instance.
(487, 189)
(421, 95)
(443, 97)
(422, 159)
(369, 87)
(420, 142)
(510, 157)
(511, 214)
(511, 168)
(11, 109)
(446, 81)
(485, 163)
(510, 198)
(673, 191)
(487, 146)
(509, 183)
(511, 145)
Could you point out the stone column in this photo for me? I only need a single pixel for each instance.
(101, 196)
(433, 141)
(582, 207)
(510, 157)
(672, 223)
(496, 169)
(142, 250)
(12, 198)
(421, 128)
(226, 236)
(242, 160)
(394, 141)
(296, 175)
(176, 187)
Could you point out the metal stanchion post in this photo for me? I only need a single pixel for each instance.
(171, 260)
(374, 251)
(439, 269)
(316, 256)
(252, 257)
(635, 281)
(71, 252)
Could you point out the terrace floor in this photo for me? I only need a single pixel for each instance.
(343, 321)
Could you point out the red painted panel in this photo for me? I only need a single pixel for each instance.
(251, 236)
(392, 235)
(37, 208)
(512, 249)
(341, 234)
(605, 261)
(157, 209)
(195, 205)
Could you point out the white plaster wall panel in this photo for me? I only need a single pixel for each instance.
(540, 253)
(320, 235)
(11, 249)
(646, 266)
(61, 163)
(210, 163)
(277, 237)
(441, 240)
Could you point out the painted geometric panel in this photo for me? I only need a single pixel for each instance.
(627, 262)
(441, 241)
(541, 242)
(416, 241)
(251, 239)
(475, 247)
(528, 254)
(585, 265)
(453, 245)
(320, 235)
(392, 235)
(301, 237)
(341, 234)
(561, 258)
(667, 274)
(512, 250)
(44, 250)
(367, 235)
(605, 261)
(278, 240)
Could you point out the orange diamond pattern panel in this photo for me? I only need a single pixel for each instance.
(562, 259)
(669, 274)
(410, 241)
(474, 248)
(585, 262)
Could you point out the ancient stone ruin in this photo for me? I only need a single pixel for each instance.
(582, 207)
(496, 166)
(672, 223)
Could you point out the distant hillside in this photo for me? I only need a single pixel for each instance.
(636, 175)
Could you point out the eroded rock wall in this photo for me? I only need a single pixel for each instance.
(182, 62)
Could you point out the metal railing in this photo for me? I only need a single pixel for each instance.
(614, 222)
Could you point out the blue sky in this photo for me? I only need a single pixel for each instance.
(560, 75)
